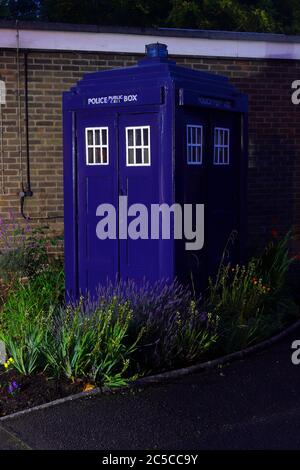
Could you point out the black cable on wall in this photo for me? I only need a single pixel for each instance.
(26, 190)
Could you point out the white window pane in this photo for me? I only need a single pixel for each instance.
(138, 137)
(194, 135)
(130, 137)
(104, 155)
(90, 137)
(226, 134)
(90, 155)
(191, 135)
(145, 136)
(97, 137)
(138, 145)
(194, 144)
(130, 156)
(194, 130)
(216, 155)
(97, 155)
(104, 137)
(96, 141)
(221, 146)
(192, 154)
(146, 156)
(223, 137)
(138, 156)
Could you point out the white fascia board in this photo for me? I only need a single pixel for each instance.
(135, 43)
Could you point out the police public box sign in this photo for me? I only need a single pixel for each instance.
(127, 98)
(112, 99)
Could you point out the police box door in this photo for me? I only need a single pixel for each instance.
(97, 184)
(209, 173)
(139, 183)
(223, 189)
(117, 156)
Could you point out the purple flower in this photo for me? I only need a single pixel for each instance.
(13, 387)
(203, 316)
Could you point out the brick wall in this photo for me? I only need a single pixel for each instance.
(274, 123)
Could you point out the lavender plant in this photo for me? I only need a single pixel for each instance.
(176, 331)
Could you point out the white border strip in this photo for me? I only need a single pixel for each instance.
(135, 43)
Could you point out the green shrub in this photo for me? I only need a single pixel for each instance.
(275, 261)
(93, 346)
(194, 337)
(32, 299)
(250, 300)
(237, 291)
(26, 347)
(23, 248)
(26, 316)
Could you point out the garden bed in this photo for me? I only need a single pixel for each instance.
(128, 330)
(19, 392)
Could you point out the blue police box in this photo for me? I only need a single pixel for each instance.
(160, 134)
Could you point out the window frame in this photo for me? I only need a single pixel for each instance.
(134, 147)
(190, 145)
(101, 146)
(222, 147)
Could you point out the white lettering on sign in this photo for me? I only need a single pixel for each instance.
(112, 99)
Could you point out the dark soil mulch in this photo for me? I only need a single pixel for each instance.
(31, 391)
